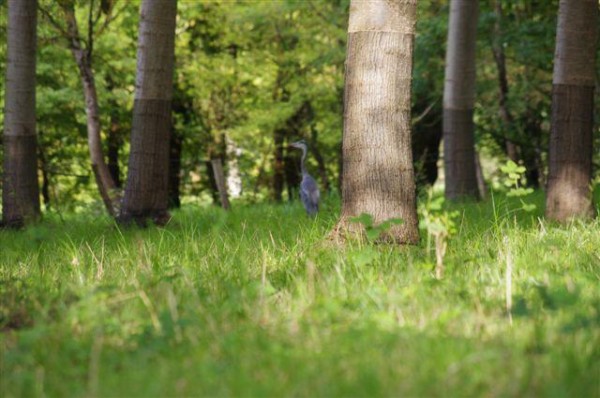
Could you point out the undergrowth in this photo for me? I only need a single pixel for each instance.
(257, 302)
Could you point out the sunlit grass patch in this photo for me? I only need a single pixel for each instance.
(258, 302)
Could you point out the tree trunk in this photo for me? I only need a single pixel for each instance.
(571, 138)
(219, 174)
(459, 98)
(378, 175)
(292, 175)
(43, 166)
(115, 142)
(510, 148)
(426, 138)
(20, 194)
(212, 182)
(146, 191)
(115, 138)
(82, 56)
(175, 146)
(278, 165)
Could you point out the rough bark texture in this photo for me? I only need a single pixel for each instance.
(571, 139)
(146, 191)
(83, 58)
(378, 176)
(20, 194)
(459, 97)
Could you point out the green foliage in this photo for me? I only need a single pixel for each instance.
(434, 218)
(243, 68)
(375, 231)
(513, 180)
(256, 302)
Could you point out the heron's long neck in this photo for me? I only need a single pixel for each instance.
(302, 166)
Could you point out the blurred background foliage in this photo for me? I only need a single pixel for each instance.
(253, 76)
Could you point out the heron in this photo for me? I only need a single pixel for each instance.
(309, 190)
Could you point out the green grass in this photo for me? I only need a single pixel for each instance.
(257, 302)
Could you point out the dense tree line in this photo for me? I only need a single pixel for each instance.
(238, 81)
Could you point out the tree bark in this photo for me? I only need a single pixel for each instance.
(217, 167)
(20, 194)
(83, 58)
(114, 139)
(378, 175)
(175, 147)
(146, 191)
(571, 138)
(459, 98)
(43, 167)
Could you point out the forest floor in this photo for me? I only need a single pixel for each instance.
(257, 302)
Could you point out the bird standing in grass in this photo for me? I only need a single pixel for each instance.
(309, 190)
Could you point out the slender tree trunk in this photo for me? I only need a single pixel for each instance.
(292, 175)
(114, 139)
(481, 185)
(175, 146)
(426, 138)
(43, 166)
(146, 191)
(83, 58)
(378, 168)
(571, 139)
(212, 182)
(278, 165)
(219, 174)
(459, 98)
(20, 194)
(511, 149)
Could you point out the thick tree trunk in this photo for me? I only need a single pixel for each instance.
(104, 180)
(571, 139)
(378, 176)
(146, 191)
(20, 194)
(459, 98)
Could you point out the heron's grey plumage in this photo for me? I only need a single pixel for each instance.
(309, 190)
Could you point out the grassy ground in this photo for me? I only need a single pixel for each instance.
(258, 303)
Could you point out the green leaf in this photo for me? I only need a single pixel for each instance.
(364, 219)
